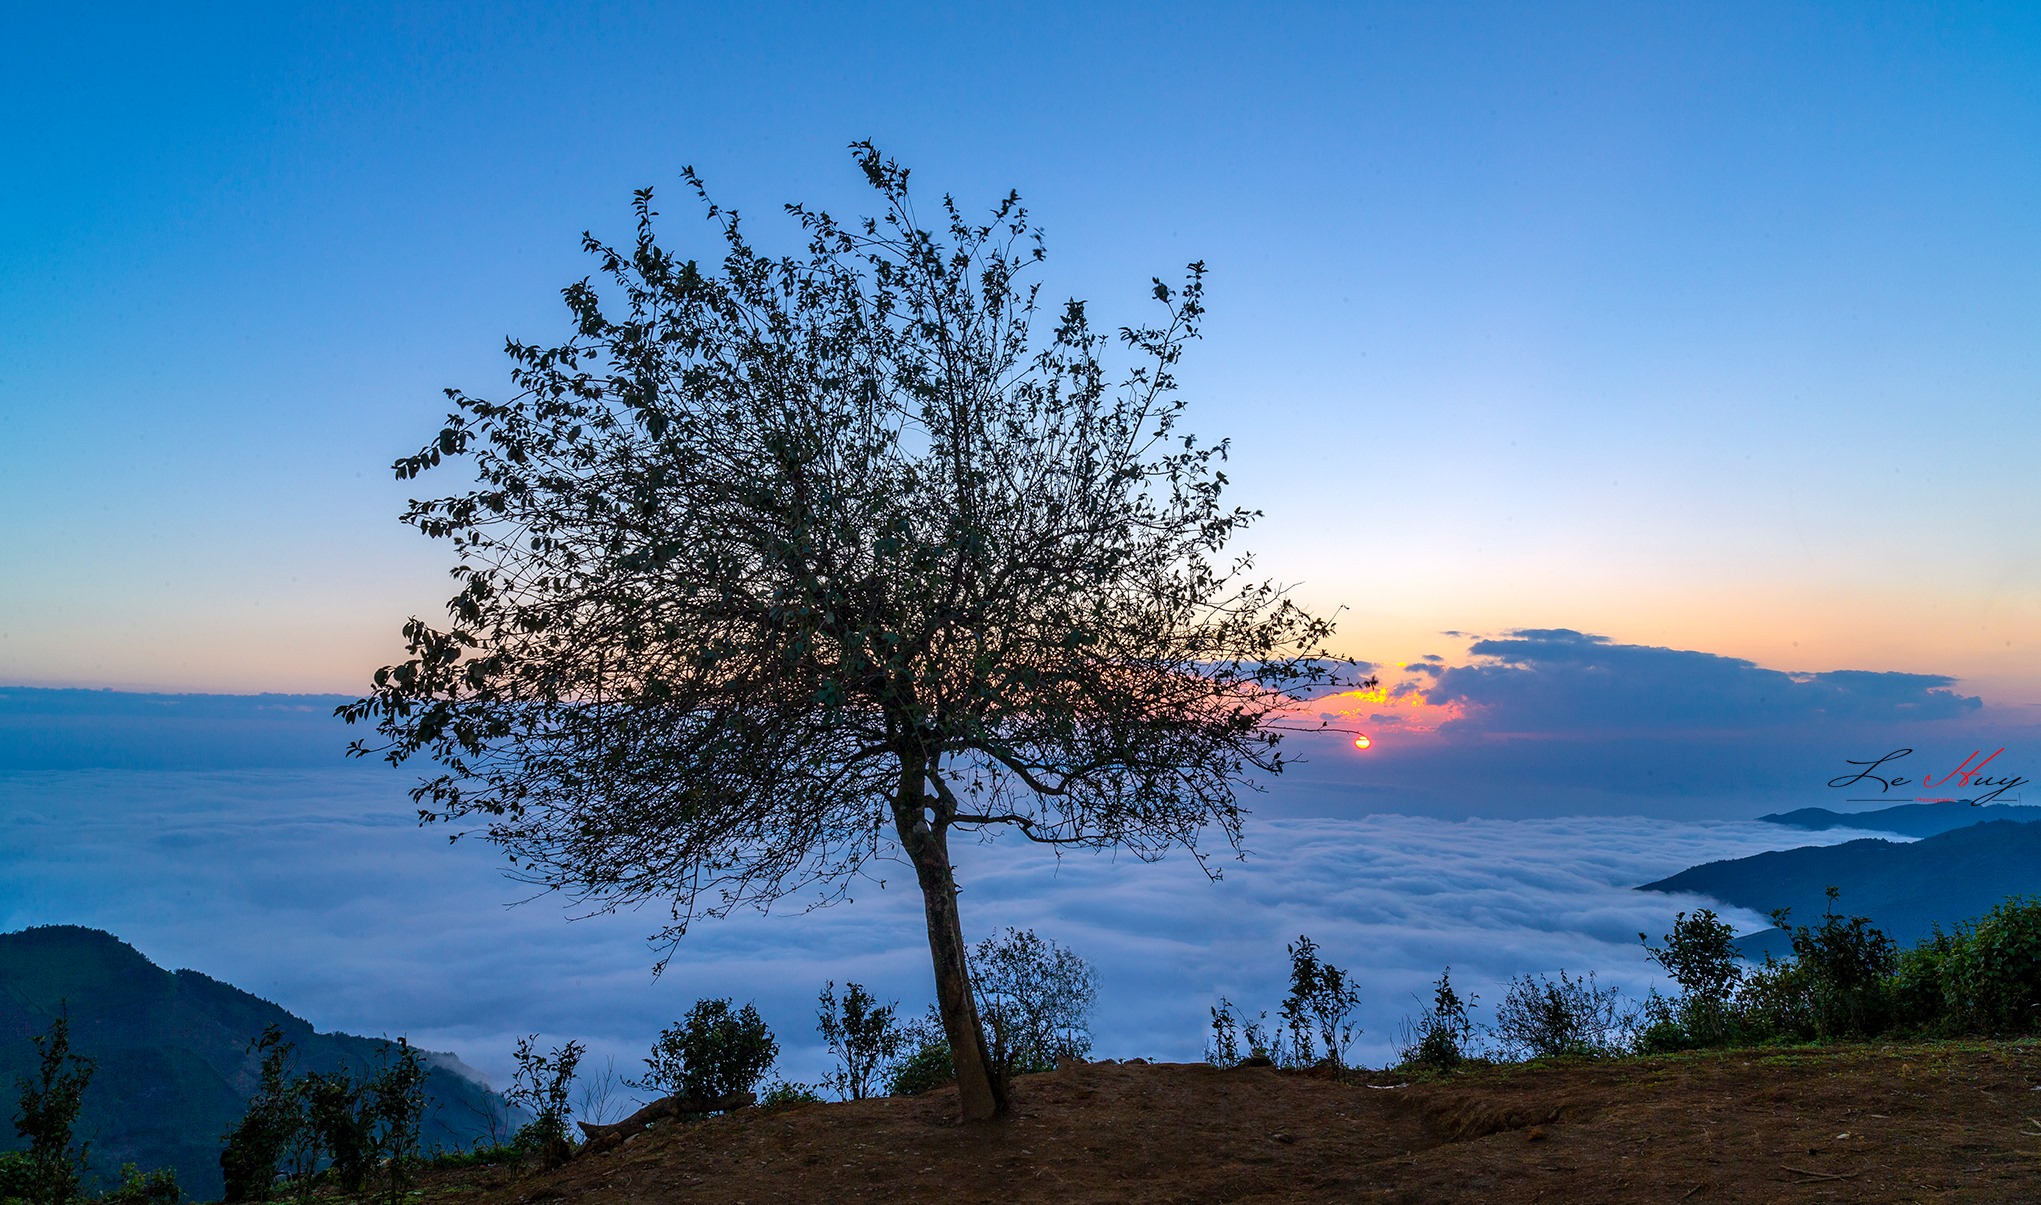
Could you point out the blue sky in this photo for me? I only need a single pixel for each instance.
(1710, 330)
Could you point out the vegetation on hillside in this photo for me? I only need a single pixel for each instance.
(1847, 979)
(1905, 887)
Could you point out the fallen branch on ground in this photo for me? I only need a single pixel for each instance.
(1801, 1171)
(603, 1136)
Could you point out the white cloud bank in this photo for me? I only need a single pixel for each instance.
(317, 890)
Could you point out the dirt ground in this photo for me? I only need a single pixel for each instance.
(1870, 1123)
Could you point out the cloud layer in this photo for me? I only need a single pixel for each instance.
(319, 891)
(226, 834)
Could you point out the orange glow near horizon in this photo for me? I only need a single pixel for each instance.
(1400, 708)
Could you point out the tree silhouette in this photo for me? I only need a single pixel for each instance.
(780, 564)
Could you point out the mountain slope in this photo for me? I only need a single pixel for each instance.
(1906, 887)
(174, 1069)
(1907, 819)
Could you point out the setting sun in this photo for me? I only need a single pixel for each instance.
(1362, 742)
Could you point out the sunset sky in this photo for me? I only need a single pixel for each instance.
(1710, 330)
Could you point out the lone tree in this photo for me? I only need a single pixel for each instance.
(778, 562)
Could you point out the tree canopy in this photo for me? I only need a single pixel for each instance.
(778, 565)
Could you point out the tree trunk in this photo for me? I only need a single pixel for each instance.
(980, 1093)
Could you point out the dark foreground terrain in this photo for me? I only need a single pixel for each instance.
(1945, 1122)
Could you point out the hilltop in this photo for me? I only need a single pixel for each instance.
(175, 1072)
(1853, 1123)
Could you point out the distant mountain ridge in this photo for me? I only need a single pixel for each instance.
(174, 1069)
(1907, 819)
(1905, 887)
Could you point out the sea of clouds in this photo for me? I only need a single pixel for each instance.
(317, 889)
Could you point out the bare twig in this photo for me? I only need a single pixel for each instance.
(1813, 1175)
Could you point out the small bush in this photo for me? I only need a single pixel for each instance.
(1541, 1018)
(1775, 1003)
(271, 1129)
(1992, 980)
(1440, 1037)
(786, 1094)
(863, 1036)
(1316, 1010)
(48, 1172)
(361, 1123)
(18, 1180)
(1035, 999)
(158, 1187)
(397, 1097)
(926, 1064)
(1841, 968)
(712, 1052)
(342, 1117)
(541, 1084)
(1313, 1015)
(1660, 1027)
(1700, 954)
(1236, 1040)
(482, 1154)
(1222, 1049)
(1920, 988)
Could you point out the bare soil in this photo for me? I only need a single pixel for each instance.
(1935, 1122)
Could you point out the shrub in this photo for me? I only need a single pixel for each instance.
(48, 1173)
(17, 1177)
(714, 1051)
(397, 1095)
(341, 1116)
(1843, 967)
(1992, 978)
(1541, 1018)
(137, 1187)
(1920, 988)
(1222, 1049)
(787, 1093)
(1662, 1026)
(1439, 1037)
(1775, 1003)
(863, 1036)
(1700, 954)
(1316, 1010)
(926, 1065)
(1035, 998)
(482, 1154)
(541, 1084)
(272, 1128)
